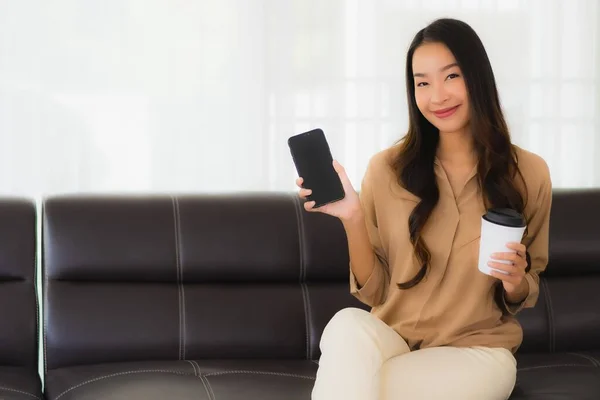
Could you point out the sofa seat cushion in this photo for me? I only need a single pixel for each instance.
(551, 376)
(202, 379)
(19, 384)
(558, 376)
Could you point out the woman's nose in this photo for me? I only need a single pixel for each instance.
(439, 95)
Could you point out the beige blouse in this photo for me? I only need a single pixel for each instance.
(454, 305)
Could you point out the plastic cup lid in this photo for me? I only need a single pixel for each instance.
(505, 217)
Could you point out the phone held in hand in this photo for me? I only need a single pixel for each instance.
(314, 163)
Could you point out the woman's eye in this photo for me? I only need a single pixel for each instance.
(452, 76)
(421, 84)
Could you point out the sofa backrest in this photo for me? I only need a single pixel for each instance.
(251, 276)
(18, 300)
(236, 276)
(567, 316)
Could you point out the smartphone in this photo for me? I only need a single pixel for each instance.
(314, 163)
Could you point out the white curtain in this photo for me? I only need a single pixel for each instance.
(201, 95)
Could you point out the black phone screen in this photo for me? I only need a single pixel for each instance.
(313, 160)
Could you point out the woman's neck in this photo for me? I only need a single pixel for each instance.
(456, 147)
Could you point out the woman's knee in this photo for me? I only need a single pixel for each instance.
(343, 323)
(460, 373)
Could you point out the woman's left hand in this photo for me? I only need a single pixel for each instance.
(513, 278)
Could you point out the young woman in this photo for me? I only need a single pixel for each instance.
(438, 327)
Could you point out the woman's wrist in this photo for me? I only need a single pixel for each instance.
(354, 218)
(519, 294)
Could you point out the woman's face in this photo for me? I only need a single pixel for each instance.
(440, 89)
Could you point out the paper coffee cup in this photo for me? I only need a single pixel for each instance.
(499, 226)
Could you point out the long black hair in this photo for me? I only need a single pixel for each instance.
(414, 163)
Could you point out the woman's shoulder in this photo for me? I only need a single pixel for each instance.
(380, 166)
(381, 161)
(532, 166)
(527, 158)
(381, 177)
(535, 172)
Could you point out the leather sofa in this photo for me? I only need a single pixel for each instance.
(224, 297)
(19, 377)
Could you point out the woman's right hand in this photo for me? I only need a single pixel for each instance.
(346, 209)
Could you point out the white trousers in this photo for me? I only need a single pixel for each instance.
(364, 359)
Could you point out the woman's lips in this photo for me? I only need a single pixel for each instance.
(446, 112)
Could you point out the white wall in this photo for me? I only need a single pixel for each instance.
(200, 96)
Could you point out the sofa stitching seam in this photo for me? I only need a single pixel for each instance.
(183, 312)
(591, 359)
(35, 281)
(196, 373)
(555, 366)
(212, 393)
(44, 292)
(178, 269)
(285, 374)
(198, 366)
(301, 236)
(550, 311)
(207, 387)
(20, 391)
(308, 321)
(142, 371)
(595, 359)
(300, 226)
